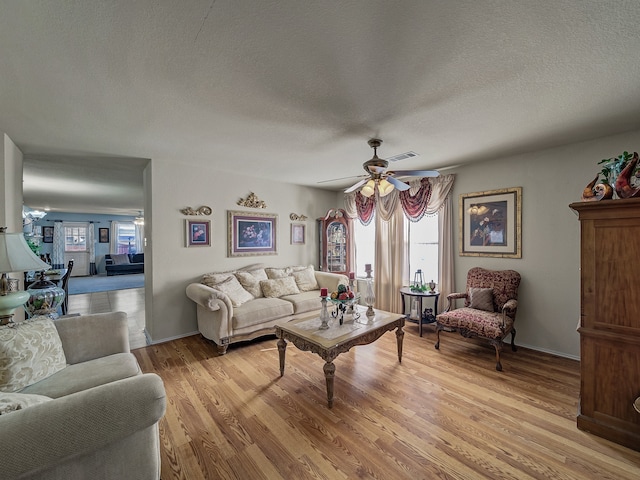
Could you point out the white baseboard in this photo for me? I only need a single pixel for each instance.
(168, 339)
(545, 350)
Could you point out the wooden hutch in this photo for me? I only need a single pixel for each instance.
(335, 234)
(610, 319)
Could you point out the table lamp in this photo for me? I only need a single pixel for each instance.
(15, 256)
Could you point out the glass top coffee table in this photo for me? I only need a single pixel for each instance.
(305, 333)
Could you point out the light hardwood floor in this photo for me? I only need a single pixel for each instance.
(439, 414)
(130, 301)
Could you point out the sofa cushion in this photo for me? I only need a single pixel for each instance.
(481, 298)
(120, 259)
(482, 323)
(250, 281)
(306, 279)
(232, 288)
(278, 287)
(85, 375)
(304, 301)
(260, 310)
(10, 402)
(30, 351)
(283, 272)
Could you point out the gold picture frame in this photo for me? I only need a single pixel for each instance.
(252, 233)
(491, 223)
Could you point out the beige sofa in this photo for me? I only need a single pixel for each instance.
(96, 416)
(268, 295)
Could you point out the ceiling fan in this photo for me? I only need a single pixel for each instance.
(384, 180)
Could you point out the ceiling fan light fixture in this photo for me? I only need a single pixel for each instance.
(385, 187)
(368, 189)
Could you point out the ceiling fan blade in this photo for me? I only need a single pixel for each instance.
(353, 188)
(398, 184)
(416, 173)
(343, 178)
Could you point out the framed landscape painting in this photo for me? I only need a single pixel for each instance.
(490, 223)
(252, 234)
(198, 233)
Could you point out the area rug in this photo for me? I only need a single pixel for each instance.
(103, 283)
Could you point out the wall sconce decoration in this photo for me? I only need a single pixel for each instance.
(252, 201)
(203, 210)
(297, 218)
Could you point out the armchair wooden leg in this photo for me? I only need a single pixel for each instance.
(437, 345)
(497, 344)
(513, 340)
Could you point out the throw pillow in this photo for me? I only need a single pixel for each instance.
(120, 259)
(232, 288)
(481, 298)
(250, 281)
(10, 402)
(278, 287)
(30, 351)
(306, 279)
(213, 279)
(277, 272)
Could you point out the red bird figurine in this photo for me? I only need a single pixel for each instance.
(623, 182)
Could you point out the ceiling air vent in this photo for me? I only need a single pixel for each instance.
(402, 156)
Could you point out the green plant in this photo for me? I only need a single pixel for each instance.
(613, 166)
(35, 248)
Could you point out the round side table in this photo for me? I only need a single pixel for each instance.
(420, 296)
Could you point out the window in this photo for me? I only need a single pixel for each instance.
(125, 237)
(75, 238)
(423, 248)
(365, 242)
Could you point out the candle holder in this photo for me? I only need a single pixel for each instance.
(324, 314)
(370, 296)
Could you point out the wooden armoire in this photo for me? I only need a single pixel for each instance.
(610, 319)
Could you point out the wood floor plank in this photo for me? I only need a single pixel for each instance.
(440, 414)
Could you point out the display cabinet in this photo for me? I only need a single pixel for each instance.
(334, 230)
(610, 320)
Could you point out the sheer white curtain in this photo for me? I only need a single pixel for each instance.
(57, 256)
(392, 249)
(91, 245)
(139, 238)
(113, 237)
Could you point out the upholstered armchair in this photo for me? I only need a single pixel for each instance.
(490, 305)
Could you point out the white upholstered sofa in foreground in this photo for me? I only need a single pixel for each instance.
(247, 303)
(74, 404)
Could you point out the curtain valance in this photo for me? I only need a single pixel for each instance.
(425, 197)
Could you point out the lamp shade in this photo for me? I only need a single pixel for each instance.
(15, 254)
(385, 187)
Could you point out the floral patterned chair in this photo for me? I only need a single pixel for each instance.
(490, 305)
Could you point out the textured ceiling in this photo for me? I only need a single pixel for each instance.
(292, 90)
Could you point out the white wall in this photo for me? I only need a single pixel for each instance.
(549, 295)
(172, 187)
(11, 193)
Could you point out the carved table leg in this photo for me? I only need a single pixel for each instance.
(329, 373)
(400, 337)
(282, 346)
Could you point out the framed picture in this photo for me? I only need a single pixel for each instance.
(198, 233)
(47, 234)
(252, 234)
(297, 234)
(103, 235)
(490, 223)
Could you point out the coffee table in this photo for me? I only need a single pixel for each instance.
(305, 334)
